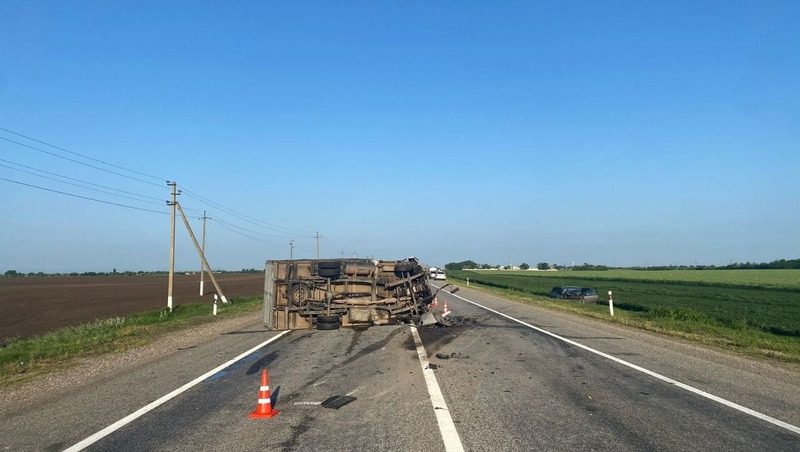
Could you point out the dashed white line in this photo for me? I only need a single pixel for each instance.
(452, 442)
(692, 389)
(153, 405)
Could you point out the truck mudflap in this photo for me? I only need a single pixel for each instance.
(302, 294)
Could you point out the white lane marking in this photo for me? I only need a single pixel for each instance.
(452, 442)
(692, 389)
(320, 403)
(152, 405)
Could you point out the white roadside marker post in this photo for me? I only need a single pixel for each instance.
(467, 282)
(215, 304)
(610, 304)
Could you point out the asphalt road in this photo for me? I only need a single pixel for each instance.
(506, 387)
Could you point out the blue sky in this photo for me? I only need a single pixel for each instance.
(622, 133)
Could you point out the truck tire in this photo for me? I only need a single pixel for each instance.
(329, 269)
(333, 318)
(405, 267)
(328, 326)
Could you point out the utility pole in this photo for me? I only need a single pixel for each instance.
(174, 203)
(202, 255)
(202, 267)
(291, 249)
(317, 237)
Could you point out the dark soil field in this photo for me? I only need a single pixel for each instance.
(36, 305)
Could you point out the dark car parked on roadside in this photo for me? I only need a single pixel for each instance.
(588, 295)
(585, 294)
(565, 292)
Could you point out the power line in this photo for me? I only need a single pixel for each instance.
(228, 228)
(243, 234)
(71, 183)
(252, 231)
(246, 217)
(81, 155)
(237, 214)
(79, 162)
(331, 244)
(84, 197)
(80, 184)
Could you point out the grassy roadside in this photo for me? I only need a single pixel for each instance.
(674, 321)
(23, 359)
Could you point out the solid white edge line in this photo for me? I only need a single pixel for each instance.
(452, 442)
(152, 405)
(692, 389)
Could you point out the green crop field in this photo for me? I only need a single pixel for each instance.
(753, 310)
(780, 279)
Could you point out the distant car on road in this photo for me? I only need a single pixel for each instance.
(437, 274)
(585, 294)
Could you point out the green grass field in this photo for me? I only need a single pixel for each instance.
(23, 359)
(757, 311)
(772, 279)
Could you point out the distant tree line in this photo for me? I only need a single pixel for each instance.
(780, 264)
(774, 265)
(463, 265)
(590, 267)
(15, 273)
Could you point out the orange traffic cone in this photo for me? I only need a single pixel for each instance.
(264, 406)
(445, 311)
(435, 303)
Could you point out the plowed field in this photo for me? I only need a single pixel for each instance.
(32, 306)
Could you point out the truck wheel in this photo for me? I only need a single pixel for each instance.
(405, 267)
(328, 319)
(328, 326)
(329, 269)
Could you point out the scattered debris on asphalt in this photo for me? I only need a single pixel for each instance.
(432, 366)
(337, 401)
(454, 355)
(455, 320)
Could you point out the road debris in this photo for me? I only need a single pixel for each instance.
(455, 320)
(337, 401)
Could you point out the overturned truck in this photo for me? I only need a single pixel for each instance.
(329, 293)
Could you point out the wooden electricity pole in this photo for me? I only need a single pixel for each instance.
(291, 249)
(174, 202)
(202, 267)
(202, 255)
(317, 237)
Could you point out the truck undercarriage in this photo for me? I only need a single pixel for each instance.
(301, 294)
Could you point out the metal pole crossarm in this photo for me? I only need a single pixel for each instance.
(202, 255)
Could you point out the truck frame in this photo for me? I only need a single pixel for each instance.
(328, 293)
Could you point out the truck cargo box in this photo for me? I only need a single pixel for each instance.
(327, 293)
